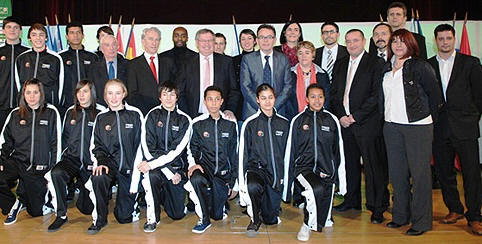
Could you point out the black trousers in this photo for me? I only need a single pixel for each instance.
(125, 210)
(58, 179)
(34, 193)
(161, 191)
(408, 149)
(209, 194)
(444, 150)
(318, 193)
(372, 151)
(262, 200)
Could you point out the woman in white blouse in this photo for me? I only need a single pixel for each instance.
(410, 98)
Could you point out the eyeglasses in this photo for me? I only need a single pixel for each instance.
(329, 32)
(266, 37)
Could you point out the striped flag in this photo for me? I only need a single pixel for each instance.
(120, 47)
(50, 39)
(464, 40)
(131, 44)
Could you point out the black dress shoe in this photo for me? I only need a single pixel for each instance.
(344, 207)
(412, 232)
(394, 225)
(377, 218)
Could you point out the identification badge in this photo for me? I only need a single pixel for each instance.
(90, 123)
(45, 66)
(224, 134)
(90, 167)
(43, 122)
(279, 133)
(86, 62)
(129, 126)
(41, 167)
(175, 128)
(325, 128)
(223, 172)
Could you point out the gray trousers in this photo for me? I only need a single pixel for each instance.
(408, 150)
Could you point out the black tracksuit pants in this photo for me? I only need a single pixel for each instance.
(263, 200)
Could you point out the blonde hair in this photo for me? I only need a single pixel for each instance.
(306, 44)
(115, 82)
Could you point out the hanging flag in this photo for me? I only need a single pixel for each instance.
(131, 44)
(50, 39)
(464, 40)
(58, 37)
(413, 27)
(120, 48)
(419, 27)
(235, 48)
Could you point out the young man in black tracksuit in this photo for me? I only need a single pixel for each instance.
(9, 51)
(29, 148)
(115, 151)
(165, 137)
(42, 64)
(75, 162)
(261, 161)
(213, 166)
(77, 62)
(314, 157)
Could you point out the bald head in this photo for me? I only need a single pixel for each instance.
(179, 36)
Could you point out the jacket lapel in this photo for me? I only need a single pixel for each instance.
(455, 70)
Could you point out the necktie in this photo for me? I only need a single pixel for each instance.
(153, 68)
(329, 63)
(207, 74)
(347, 88)
(111, 70)
(267, 72)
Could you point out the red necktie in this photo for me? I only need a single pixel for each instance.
(153, 68)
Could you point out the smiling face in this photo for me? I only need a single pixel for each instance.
(38, 38)
(12, 32)
(247, 42)
(305, 56)
(399, 48)
(266, 40)
(219, 45)
(108, 46)
(84, 96)
(315, 99)
(381, 36)
(265, 100)
(151, 42)
(355, 43)
(213, 101)
(205, 44)
(292, 33)
(168, 99)
(113, 95)
(32, 96)
(329, 35)
(179, 37)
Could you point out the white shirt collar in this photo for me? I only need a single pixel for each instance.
(451, 57)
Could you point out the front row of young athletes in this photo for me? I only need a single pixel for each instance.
(168, 155)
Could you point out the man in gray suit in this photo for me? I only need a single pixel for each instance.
(266, 66)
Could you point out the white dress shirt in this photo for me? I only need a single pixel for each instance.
(202, 62)
(263, 61)
(353, 62)
(155, 60)
(445, 67)
(114, 63)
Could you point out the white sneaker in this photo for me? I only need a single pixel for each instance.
(304, 233)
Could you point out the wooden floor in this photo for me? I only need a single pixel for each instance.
(349, 227)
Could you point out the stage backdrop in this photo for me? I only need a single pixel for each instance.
(311, 32)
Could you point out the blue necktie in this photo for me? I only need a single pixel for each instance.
(267, 72)
(111, 70)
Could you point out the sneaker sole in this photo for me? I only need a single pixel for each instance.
(54, 230)
(201, 231)
(149, 231)
(10, 223)
(251, 233)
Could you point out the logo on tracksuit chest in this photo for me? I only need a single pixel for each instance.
(305, 127)
(108, 127)
(160, 124)
(206, 134)
(260, 133)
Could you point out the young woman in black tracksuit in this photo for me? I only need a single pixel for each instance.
(29, 148)
(75, 163)
(315, 159)
(261, 161)
(115, 151)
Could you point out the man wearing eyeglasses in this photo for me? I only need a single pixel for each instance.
(266, 66)
(327, 55)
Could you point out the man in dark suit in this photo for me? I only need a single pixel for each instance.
(382, 32)
(356, 80)
(327, 55)
(179, 53)
(457, 129)
(146, 72)
(397, 17)
(112, 65)
(266, 66)
(207, 69)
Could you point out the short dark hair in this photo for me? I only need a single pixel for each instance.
(266, 26)
(332, 24)
(282, 38)
(213, 88)
(314, 86)
(11, 19)
(74, 24)
(220, 35)
(398, 5)
(384, 24)
(36, 26)
(168, 86)
(105, 29)
(263, 87)
(355, 30)
(443, 27)
(247, 32)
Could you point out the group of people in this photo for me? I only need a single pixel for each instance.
(184, 129)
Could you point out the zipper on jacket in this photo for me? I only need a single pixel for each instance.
(166, 130)
(78, 64)
(36, 65)
(82, 131)
(12, 82)
(216, 145)
(120, 140)
(315, 138)
(32, 135)
(272, 152)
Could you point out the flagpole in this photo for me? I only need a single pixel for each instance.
(49, 35)
(110, 21)
(236, 35)
(291, 17)
(130, 33)
(381, 18)
(453, 21)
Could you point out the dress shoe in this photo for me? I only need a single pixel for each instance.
(377, 218)
(344, 207)
(412, 232)
(452, 218)
(476, 227)
(394, 225)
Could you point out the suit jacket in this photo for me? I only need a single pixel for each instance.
(322, 79)
(460, 115)
(190, 84)
(251, 76)
(142, 87)
(420, 42)
(98, 74)
(363, 96)
(342, 52)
